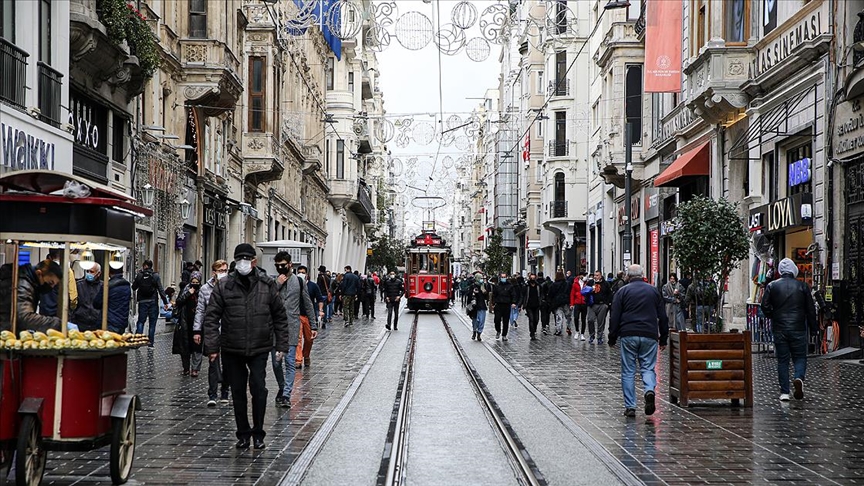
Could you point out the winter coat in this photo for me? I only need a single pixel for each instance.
(531, 297)
(702, 293)
(87, 316)
(251, 314)
(350, 284)
(673, 302)
(559, 294)
(505, 293)
(587, 292)
(789, 304)
(28, 301)
(368, 289)
(479, 298)
(295, 297)
(119, 297)
(544, 293)
(394, 288)
(576, 297)
(157, 287)
(186, 305)
(638, 310)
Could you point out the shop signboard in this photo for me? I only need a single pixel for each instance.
(848, 136)
(654, 234)
(27, 144)
(781, 45)
(783, 214)
(652, 203)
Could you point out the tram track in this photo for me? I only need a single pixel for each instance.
(392, 469)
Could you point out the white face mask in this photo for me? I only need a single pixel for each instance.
(244, 267)
(221, 275)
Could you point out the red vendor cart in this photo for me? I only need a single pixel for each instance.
(62, 397)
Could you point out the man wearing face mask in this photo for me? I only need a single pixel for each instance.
(87, 316)
(243, 319)
(33, 283)
(119, 297)
(214, 372)
(531, 303)
(48, 303)
(394, 289)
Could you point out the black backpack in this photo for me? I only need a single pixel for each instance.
(146, 285)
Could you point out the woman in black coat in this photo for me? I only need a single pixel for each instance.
(184, 344)
(559, 300)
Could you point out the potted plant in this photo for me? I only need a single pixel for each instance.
(123, 22)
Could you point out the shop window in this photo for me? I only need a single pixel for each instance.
(198, 19)
(256, 94)
(736, 19)
(633, 101)
(799, 164)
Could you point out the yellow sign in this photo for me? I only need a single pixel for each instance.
(369, 252)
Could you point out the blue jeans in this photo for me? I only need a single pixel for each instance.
(703, 314)
(644, 350)
(328, 311)
(479, 321)
(285, 377)
(514, 314)
(148, 309)
(789, 343)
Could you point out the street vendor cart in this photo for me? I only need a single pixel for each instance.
(63, 389)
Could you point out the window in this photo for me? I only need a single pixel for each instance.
(256, 94)
(540, 124)
(634, 10)
(561, 73)
(7, 20)
(561, 16)
(702, 25)
(771, 181)
(633, 101)
(327, 158)
(559, 186)
(560, 126)
(198, 19)
(541, 90)
(736, 17)
(331, 64)
(44, 31)
(340, 159)
(351, 82)
(799, 163)
(118, 138)
(769, 15)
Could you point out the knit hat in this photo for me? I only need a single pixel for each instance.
(244, 250)
(788, 266)
(195, 276)
(322, 269)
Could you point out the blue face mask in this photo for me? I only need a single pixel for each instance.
(90, 277)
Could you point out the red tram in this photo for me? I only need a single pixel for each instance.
(428, 281)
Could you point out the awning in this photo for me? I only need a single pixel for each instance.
(694, 163)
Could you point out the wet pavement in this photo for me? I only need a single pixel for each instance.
(819, 440)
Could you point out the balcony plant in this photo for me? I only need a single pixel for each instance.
(124, 22)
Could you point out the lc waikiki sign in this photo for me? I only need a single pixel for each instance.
(25, 151)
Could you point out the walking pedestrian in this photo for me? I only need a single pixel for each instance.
(393, 289)
(338, 300)
(531, 303)
(789, 304)
(149, 287)
(350, 288)
(639, 320)
(298, 304)
(119, 298)
(559, 300)
(465, 287)
(369, 291)
(506, 297)
(601, 296)
(215, 376)
(702, 297)
(579, 309)
(309, 320)
(619, 281)
(478, 304)
(359, 299)
(545, 309)
(87, 316)
(673, 295)
(324, 285)
(184, 335)
(252, 316)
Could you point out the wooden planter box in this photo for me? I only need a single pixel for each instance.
(710, 367)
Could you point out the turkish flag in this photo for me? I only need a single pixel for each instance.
(526, 149)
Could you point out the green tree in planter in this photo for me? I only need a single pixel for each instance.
(387, 253)
(710, 240)
(498, 257)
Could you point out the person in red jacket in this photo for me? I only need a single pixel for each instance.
(578, 309)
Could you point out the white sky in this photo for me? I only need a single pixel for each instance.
(410, 82)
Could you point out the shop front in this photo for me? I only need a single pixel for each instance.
(788, 226)
(28, 144)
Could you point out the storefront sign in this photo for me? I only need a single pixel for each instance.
(788, 42)
(25, 151)
(671, 125)
(799, 172)
(654, 235)
(793, 211)
(714, 364)
(652, 203)
(89, 121)
(848, 136)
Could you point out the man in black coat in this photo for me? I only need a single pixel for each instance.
(545, 308)
(393, 289)
(506, 296)
(789, 304)
(531, 299)
(251, 313)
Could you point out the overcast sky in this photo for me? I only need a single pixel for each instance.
(410, 83)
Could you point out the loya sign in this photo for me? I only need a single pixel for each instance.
(783, 214)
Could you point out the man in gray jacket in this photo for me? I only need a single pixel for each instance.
(243, 319)
(214, 373)
(295, 297)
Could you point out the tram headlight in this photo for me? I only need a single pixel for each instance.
(427, 286)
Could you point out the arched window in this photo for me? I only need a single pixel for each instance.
(559, 186)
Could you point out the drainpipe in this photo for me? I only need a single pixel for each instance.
(270, 192)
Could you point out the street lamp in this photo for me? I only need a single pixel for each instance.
(116, 260)
(147, 195)
(185, 207)
(616, 4)
(88, 260)
(628, 168)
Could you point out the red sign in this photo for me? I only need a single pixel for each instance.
(655, 254)
(428, 241)
(663, 46)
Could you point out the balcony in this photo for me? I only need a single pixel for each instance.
(343, 192)
(714, 79)
(262, 158)
(90, 164)
(49, 94)
(210, 75)
(558, 209)
(559, 149)
(560, 87)
(13, 82)
(620, 35)
(367, 87)
(362, 206)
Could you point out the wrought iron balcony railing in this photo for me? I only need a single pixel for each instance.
(559, 148)
(13, 66)
(559, 209)
(559, 87)
(50, 82)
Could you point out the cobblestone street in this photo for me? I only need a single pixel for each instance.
(181, 441)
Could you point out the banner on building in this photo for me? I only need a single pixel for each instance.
(663, 46)
(654, 234)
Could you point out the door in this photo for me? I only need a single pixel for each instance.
(854, 271)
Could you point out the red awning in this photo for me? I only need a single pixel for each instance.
(692, 164)
(481, 238)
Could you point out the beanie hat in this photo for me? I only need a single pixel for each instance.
(788, 266)
(244, 250)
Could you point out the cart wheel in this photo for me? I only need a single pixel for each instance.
(30, 456)
(123, 446)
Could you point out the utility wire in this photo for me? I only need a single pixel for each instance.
(440, 96)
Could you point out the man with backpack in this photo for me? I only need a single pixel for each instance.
(149, 287)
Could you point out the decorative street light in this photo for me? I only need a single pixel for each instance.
(87, 261)
(616, 4)
(116, 260)
(185, 207)
(147, 195)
